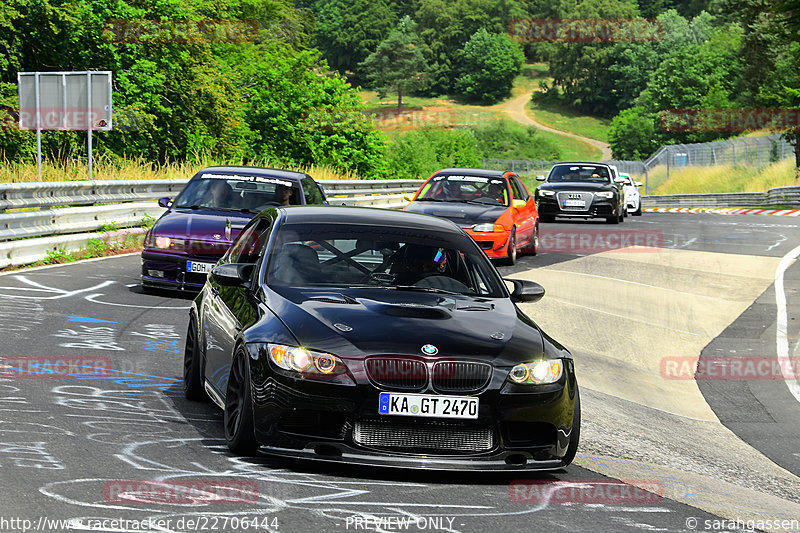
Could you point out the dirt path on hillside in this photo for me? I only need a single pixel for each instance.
(516, 107)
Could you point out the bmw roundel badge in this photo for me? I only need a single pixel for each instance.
(430, 349)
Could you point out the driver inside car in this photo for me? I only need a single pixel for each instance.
(427, 266)
(419, 261)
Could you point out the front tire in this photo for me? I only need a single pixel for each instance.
(575, 434)
(193, 365)
(238, 413)
(638, 211)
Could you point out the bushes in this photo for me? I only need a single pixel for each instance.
(418, 154)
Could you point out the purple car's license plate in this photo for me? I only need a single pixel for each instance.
(199, 268)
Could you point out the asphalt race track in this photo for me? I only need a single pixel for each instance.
(93, 420)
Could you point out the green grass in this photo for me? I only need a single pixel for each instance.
(529, 78)
(104, 168)
(690, 180)
(571, 121)
(572, 149)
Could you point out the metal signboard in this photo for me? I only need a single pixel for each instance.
(65, 101)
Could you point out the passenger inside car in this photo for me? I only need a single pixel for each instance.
(218, 194)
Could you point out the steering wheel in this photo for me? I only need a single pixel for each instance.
(436, 280)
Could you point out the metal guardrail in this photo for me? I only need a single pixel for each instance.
(74, 193)
(27, 235)
(75, 219)
(778, 196)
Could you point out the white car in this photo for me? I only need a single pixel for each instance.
(632, 197)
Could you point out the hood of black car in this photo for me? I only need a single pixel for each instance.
(576, 186)
(461, 213)
(362, 322)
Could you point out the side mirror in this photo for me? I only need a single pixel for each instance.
(232, 274)
(619, 180)
(408, 197)
(519, 204)
(638, 183)
(540, 177)
(164, 202)
(526, 291)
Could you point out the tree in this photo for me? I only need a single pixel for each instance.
(348, 30)
(398, 65)
(241, 100)
(632, 134)
(490, 64)
(445, 24)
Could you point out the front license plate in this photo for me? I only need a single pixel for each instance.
(574, 203)
(199, 268)
(429, 405)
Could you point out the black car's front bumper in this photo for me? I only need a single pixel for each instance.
(600, 207)
(518, 427)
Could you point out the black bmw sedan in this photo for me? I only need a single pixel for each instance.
(582, 190)
(369, 336)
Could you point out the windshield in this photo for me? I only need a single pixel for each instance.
(580, 174)
(470, 189)
(237, 193)
(356, 256)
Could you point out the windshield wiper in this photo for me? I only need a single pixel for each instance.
(429, 200)
(420, 289)
(488, 202)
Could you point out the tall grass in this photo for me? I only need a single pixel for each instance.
(715, 179)
(106, 168)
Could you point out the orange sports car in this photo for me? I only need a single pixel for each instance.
(493, 206)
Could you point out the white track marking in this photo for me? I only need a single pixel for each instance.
(781, 337)
(554, 299)
(59, 293)
(93, 298)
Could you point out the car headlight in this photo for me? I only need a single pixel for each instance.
(306, 362)
(488, 228)
(537, 372)
(541, 192)
(170, 243)
(605, 194)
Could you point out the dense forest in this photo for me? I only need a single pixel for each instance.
(263, 94)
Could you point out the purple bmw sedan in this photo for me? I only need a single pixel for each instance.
(208, 214)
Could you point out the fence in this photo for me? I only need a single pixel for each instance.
(785, 197)
(32, 213)
(744, 151)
